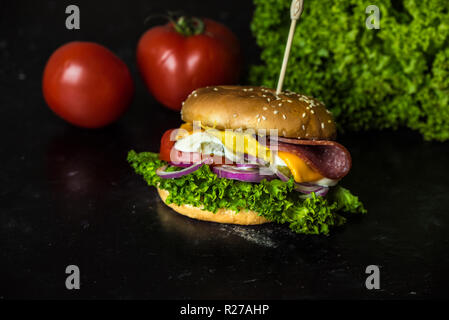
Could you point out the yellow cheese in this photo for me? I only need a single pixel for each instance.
(240, 142)
(300, 170)
(186, 129)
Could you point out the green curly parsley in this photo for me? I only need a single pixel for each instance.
(275, 200)
(394, 76)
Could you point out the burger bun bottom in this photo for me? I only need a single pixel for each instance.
(244, 217)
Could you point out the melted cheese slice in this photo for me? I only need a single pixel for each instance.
(300, 170)
(186, 129)
(242, 143)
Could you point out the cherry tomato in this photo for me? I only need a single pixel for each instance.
(87, 85)
(187, 54)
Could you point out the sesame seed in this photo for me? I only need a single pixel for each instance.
(303, 127)
(268, 99)
(264, 108)
(322, 125)
(195, 95)
(250, 89)
(289, 101)
(275, 111)
(258, 119)
(215, 89)
(244, 89)
(328, 111)
(264, 95)
(304, 115)
(280, 104)
(312, 111)
(329, 121)
(258, 115)
(283, 116)
(183, 103)
(263, 118)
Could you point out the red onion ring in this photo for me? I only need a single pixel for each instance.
(177, 174)
(305, 187)
(242, 175)
(180, 164)
(253, 159)
(281, 176)
(321, 191)
(247, 165)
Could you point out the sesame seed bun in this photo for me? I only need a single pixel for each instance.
(249, 107)
(245, 217)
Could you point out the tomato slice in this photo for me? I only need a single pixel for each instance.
(167, 151)
(167, 143)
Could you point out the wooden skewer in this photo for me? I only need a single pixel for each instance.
(295, 12)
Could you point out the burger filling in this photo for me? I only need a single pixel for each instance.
(237, 147)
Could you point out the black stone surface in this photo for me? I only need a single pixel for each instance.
(68, 196)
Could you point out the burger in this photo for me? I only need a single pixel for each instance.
(246, 155)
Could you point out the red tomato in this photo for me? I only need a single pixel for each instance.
(181, 56)
(87, 85)
(168, 153)
(167, 143)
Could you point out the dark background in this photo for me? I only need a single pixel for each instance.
(67, 195)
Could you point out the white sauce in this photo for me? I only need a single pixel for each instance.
(200, 142)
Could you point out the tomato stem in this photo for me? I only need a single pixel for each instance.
(189, 26)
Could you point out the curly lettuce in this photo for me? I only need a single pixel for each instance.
(275, 200)
(395, 76)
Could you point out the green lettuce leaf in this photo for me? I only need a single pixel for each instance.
(346, 201)
(275, 200)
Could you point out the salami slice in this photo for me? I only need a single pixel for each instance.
(329, 158)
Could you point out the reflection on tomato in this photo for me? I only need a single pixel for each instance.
(87, 85)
